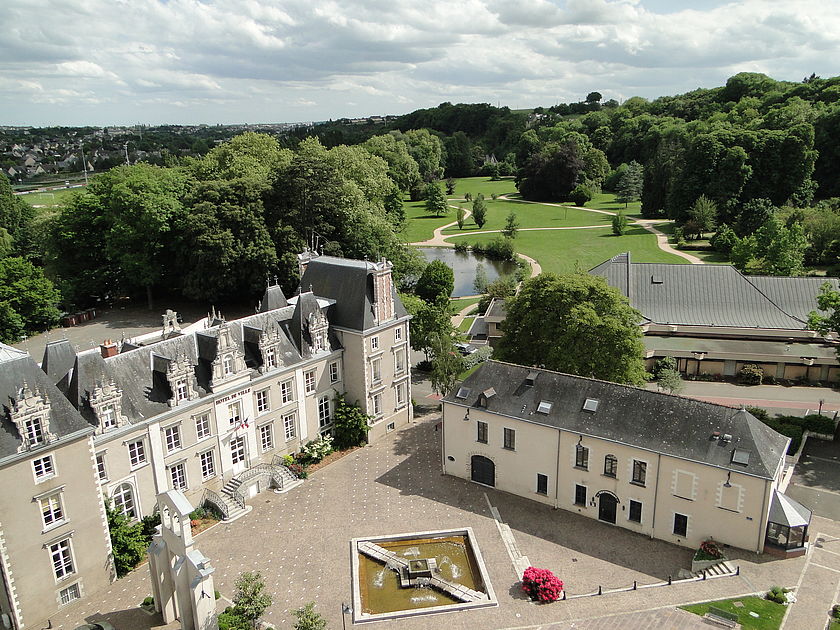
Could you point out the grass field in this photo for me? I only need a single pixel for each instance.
(419, 224)
(457, 304)
(464, 326)
(696, 248)
(606, 201)
(475, 185)
(51, 198)
(563, 251)
(770, 614)
(530, 215)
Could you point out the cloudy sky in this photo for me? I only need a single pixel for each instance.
(70, 62)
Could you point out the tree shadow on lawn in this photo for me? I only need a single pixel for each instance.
(570, 530)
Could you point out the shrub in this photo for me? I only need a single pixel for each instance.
(793, 431)
(198, 514)
(541, 585)
(818, 424)
(494, 196)
(619, 224)
(251, 599)
(479, 356)
(467, 196)
(751, 374)
(500, 248)
(759, 413)
(298, 470)
(665, 363)
(231, 619)
(724, 239)
(288, 460)
(835, 611)
(580, 195)
(777, 594)
(709, 550)
(148, 601)
(351, 424)
(461, 247)
(424, 366)
(308, 619)
(316, 450)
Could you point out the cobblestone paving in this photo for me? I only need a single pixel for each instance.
(301, 542)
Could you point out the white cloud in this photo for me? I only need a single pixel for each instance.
(274, 60)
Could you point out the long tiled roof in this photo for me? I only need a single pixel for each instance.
(671, 425)
(712, 295)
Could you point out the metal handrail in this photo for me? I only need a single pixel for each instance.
(216, 500)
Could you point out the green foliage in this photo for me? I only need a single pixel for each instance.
(450, 185)
(128, 543)
(580, 195)
(479, 356)
(751, 374)
(479, 211)
(511, 225)
(462, 247)
(447, 363)
(402, 168)
(250, 599)
(703, 214)
(773, 249)
(231, 619)
(724, 239)
(619, 223)
(429, 320)
(316, 450)
(759, 413)
(777, 594)
(828, 320)
(501, 288)
(436, 282)
(665, 363)
(17, 221)
(435, 200)
(500, 248)
(630, 182)
(308, 619)
(670, 380)
(576, 324)
(350, 424)
(27, 300)
(462, 214)
(480, 282)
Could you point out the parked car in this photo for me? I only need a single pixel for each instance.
(465, 348)
(99, 625)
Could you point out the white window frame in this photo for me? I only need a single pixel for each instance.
(172, 438)
(101, 467)
(376, 401)
(398, 333)
(270, 358)
(132, 511)
(62, 551)
(399, 361)
(399, 395)
(262, 400)
(181, 392)
(240, 440)
(51, 508)
(34, 431)
(108, 416)
(287, 391)
(289, 426)
(235, 412)
(324, 420)
(374, 344)
(203, 427)
(335, 373)
(309, 382)
(178, 476)
(69, 594)
(227, 365)
(266, 437)
(207, 462)
(376, 370)
(46, 474)
(134, 460)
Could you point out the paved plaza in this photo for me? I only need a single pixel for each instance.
(300, 541)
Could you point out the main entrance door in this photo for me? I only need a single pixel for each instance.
(483, 470)
(606, 508)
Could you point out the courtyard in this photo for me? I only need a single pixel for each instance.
(300, 541)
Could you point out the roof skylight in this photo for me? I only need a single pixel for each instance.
(590, 405)
(463, 392)
(544, 407)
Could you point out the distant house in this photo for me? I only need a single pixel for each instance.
(485, 329)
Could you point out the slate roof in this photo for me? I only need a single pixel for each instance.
(788, 512)
(711, 295)
(671, 425)
(771, 348)
(17, 368)
(350, 284)
(273, 298)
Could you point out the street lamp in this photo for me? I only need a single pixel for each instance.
(345, 610)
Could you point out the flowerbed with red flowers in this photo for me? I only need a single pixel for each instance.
(709, 550)
(542, 585)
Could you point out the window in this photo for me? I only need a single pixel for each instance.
(263, 401)
(101, 471)
(377, 405)
(178, 476)
(208, 464)
(542, 484)
(610, 466)
(398, 334)
(180, 389)
(270, 358)
(235, 413)
(399, 395)
(309, 381)
(639, 472)
(62, 559)
(287, 391)
(399, 361)
(582, 457)
(635, 514)
(227, 365)
(376, 370)
(108, 417)
(69, 594)
(202, 426)
(324, 411)
(172, 438)
(590, 405)
(320, 342)
(544, 407)
(52, 512)
(680, 524)
(580, 495)
(481, 432)
(237, 450)
(136, 453)
(510, 439)
(334, 374)
(43, 467)
(124, 500)
(33, 432)
(374, 343)
(267, 437)
(289, 426)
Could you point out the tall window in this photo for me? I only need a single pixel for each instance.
(680, 524)
(610, 466)
(510, 439)
(582, 457)
(202, 426)
(43, 467)
(377, 405)
(108, 416)
(324, 411)
(580, 494)
(399, 361)
(101, 470)
(124, 500)
(180, 389)
(635, 514)
(542, 484)
(639, 472)
(237, 450)
(399, 395)
(172, 438)
(309, 381)
(235, 413)
(289, 426)
(287, 391)
(374, 343)
(376, 370)
(267, 437)
(33, 432)
(334, 373)
(52, 512)
(178, 476)
(227, 365)
(62, 559)
(270, 358)
(208, 464)
(398, 333)
(263, 401)
(481, 432)
(136, 453)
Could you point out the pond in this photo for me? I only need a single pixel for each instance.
(464, 266)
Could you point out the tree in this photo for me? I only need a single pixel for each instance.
(774, 249)
(402, 168)
(594, 97)
(251, 600)
(435, 200)
(29, 299)
(462, 214)
(450, 185)
(580, 195)
(576, 324)
(128, 544)
(703, 215)
(619, 223)
(828, 321)
(511, 225)
(436, 282)
(479, 211)
(429, 320)
(480, 282)
(501, 288)
(16, 218)
(447, 363)
(630, 183)
(351, 424)
(308, 619)
(670, 380)
(724, 239)
(552, 172)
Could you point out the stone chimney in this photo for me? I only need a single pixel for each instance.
(303, 260)
(108, 349)
(383, 298)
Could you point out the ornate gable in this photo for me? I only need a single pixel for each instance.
(31, 415)
(269, 345)
(230, 360)
(181, 376)
(319, 328)
(106, 402)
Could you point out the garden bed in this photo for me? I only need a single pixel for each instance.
(769, 613)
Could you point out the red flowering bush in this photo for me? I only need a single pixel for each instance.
(711, 549)
(542, 585)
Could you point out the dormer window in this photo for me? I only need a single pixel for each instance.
(31, 416)
(33, 432)
(271, 358)
(227, 365)
(108, 416)
(106, 402)
(181, 391)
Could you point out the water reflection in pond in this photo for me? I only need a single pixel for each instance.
(464, 267)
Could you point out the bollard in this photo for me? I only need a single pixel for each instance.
(704, 574)
(599, 590)
(634, 585)
(738, 570)
(564, 595)
(669, 580)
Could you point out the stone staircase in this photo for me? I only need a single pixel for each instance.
(717, 570)
(235, 509)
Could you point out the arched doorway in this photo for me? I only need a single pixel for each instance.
(483, 470)
(607, 507)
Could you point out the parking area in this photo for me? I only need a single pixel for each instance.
(816, 479)
(300, 541)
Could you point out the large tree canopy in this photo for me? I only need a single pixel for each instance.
(576, 324)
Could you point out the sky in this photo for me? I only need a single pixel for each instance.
(113, 62)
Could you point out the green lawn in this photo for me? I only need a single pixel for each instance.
(770, 613)
(562, 251)
(530, 215)
(606, 201)
(456, 304)
(51, 198)
(464, 326)
(475, 185)
(698, 248)
(419, 224)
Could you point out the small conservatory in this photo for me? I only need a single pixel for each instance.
(787, 527)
